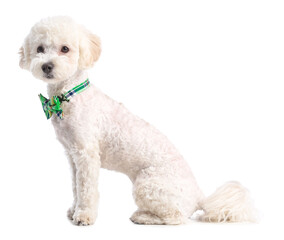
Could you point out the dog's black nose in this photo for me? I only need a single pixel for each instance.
(47, 67)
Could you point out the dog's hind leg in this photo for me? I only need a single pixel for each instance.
(157, 203)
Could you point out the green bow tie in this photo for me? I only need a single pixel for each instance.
(53, 105)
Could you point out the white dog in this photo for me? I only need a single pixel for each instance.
(96, 131)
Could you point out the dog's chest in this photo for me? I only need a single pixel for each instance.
(77, 128)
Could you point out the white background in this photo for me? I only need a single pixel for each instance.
(208, 74)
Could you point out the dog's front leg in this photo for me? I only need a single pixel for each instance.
(87, 163)
(71, 210)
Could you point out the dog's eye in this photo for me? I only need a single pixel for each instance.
(40, 49)
(65, 49)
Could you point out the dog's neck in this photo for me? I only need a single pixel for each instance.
(57, 89)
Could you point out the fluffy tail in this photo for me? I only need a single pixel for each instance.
(229, 203)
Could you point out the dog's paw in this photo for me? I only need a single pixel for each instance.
(144, 217)
(141, 217)
(84, 217)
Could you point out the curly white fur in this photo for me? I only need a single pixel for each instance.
(99, 132)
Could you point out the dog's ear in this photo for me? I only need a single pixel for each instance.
(24, 57)
(89, 49)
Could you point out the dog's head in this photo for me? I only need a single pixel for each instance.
(57, 47)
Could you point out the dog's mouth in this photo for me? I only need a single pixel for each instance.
(49, 76)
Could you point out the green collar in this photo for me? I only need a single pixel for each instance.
(53, 105)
